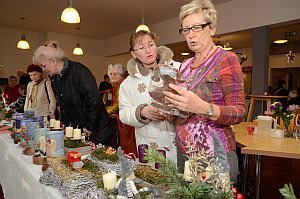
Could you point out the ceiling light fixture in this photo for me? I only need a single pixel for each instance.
(142, 26)
(23, 43)
(77, 50)
(185, 54)
(280, 41)
(70, 14)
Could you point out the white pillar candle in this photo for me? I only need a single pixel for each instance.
(69, 132)
(187, 171)
(57, 124)
(77, 134)
(109, 180)
(52, 122)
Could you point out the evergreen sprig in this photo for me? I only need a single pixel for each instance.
(287, 191)
(179, 188)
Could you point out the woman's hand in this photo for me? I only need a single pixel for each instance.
(186, 100)
(152, 113)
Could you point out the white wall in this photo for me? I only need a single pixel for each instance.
(12, 58)
(234, 15)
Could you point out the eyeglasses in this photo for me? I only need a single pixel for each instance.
(150, 45)
(114, 74)
(195, 28)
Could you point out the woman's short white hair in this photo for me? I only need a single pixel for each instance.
(196, 6)
(117, 66)
(49, 51)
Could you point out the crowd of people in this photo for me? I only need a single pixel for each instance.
(213, 95)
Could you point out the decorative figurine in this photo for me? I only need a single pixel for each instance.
(74, 160)
(125, 185)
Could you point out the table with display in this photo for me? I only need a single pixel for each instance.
(19, 177)
(263, 146)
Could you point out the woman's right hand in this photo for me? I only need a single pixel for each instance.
(152, 113)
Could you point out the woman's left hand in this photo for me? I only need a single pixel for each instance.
(185, 100)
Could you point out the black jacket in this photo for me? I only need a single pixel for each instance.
(80, 103)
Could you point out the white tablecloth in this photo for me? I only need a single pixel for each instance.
(19, 177)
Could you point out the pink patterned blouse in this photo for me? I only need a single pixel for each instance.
(219, 80)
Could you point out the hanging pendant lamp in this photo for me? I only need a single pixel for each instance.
(77, 50)
(70, 14)
(23, 43)
(142, 26)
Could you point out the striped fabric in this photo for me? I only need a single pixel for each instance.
(219, 81)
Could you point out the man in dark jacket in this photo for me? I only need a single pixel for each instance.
(76, 92)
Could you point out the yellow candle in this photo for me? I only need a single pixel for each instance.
(109, 180)
(187, 171)
(52, 122)
(57, 124)
(69, 132)
(77, 134)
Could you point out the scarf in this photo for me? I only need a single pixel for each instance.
(33, 94)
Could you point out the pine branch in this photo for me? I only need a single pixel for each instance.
(287, 192)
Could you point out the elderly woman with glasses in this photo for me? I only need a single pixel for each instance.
(126, 132)
(76, 93)
(214, 93)
(150, 124)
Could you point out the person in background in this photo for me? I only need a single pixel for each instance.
(126, 132)
(214, 93)
(18, 106)
(20, 73)
(135, 110)
(10, 92)
(282, 91)
(76, 92)
(295, 100)
(270, 91)
(39, 96)
(104, 86)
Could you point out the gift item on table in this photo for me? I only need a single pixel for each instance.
(142, 152)
(163, 153)
(28, 114)
(17, 138)
(77, 134)
(40, 120)
(55, 143)
(125, 185)
(52, 123)
(187, 175)
(74, 160)
(57, 124)
(31, 126)
(23, 132)
(69, 132)
(40, 139)
(109, 180)
(160, 79)
(16, 116)
(277, 133)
